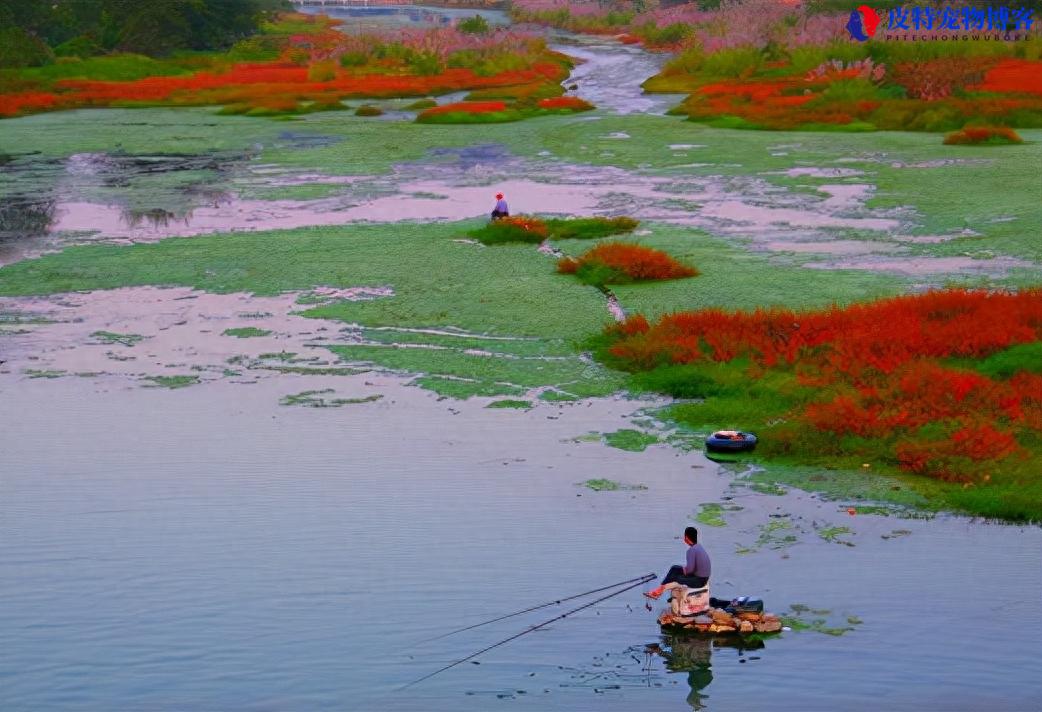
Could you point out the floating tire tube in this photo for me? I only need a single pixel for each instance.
(730, 441)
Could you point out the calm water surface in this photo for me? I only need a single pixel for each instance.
(208, 549)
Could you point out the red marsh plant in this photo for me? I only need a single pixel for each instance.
(983, 135)
(946, 384)
(565, 103)
(517, 228)
(621, 262)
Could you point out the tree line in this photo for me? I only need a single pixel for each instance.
(32, 32)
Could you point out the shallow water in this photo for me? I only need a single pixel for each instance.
(207, 548)
(611, 73)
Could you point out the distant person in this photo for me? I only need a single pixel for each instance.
(501, 210)
(694, 573)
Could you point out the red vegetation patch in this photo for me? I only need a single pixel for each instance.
(1014, 76)
(983, 134)
(466, 107)
(634, 262)
(569, 103)
(14, 104)
(526, 223)
(879, 336)
(875, 371)
(260, 84)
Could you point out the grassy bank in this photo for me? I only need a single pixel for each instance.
(298, 64)
(946, 385)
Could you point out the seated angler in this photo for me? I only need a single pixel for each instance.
(501, 210)
(694, 573)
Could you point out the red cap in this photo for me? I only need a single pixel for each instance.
(499, 196)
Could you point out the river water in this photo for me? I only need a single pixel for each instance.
(207, 548)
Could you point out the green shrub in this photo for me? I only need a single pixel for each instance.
(260, 48)
(683, 381)
(20, 49)
(476, 25)
(733, 63)
(426, 63)
(81, 47)
(353, 59)
(369, 110)
(687, 62)
(1004, 364)
(589, 228)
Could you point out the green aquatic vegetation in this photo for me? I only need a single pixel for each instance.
(246, 332)
(318, 399)
(1004, 364)
(770, 488)
(798, 620)
(288, 356)
(172, 382)
(306, 191)
(462, 389)
(119, 357)
(589, 228)
(602, 485)
(43, 373)
(510, 403)
(631, 440)
(773, 535)
(18, 318)
(109, 337)
(833, 534)
(711, 514)
(817, 625)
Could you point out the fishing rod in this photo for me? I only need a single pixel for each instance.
(536, 608)
(641, 581)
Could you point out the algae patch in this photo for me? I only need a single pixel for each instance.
(318, 399)
(172, 382)
(712, 513)
(630, 440)
(110, 337)
(246, 332)
(602, 485)
(511, 403)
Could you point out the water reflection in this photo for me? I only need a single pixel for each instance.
(693, 654)
(153, 217)
(25, 216)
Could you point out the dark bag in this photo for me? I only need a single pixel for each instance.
(745, 604)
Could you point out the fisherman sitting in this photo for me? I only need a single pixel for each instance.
(694, 573)
(501, 210)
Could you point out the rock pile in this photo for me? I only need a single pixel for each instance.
(719, 621)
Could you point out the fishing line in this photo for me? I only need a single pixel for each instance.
(641, 581)
(536, 608)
